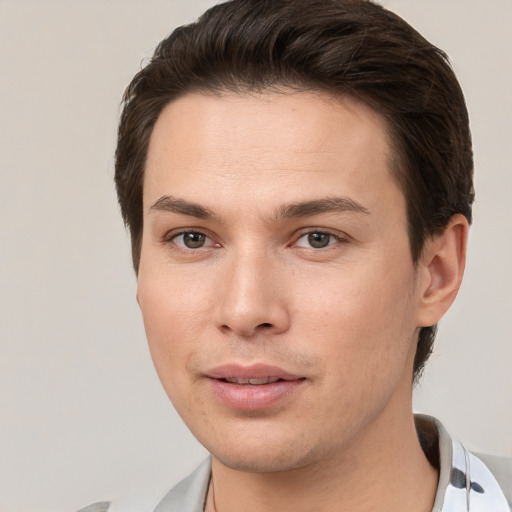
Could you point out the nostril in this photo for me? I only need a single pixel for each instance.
(266, 324)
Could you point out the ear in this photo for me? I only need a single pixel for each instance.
(440, 269)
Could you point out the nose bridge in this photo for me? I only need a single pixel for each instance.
(251, 300)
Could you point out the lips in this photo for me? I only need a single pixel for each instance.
(253, 387)
(253, 372)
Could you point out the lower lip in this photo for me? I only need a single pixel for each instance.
(248, 397)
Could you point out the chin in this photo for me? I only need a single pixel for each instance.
(259, 463)
(254, 457)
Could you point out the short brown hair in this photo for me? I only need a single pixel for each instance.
(343, 47)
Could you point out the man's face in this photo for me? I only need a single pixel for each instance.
(276, 283)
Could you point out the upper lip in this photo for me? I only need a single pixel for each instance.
(255, 371)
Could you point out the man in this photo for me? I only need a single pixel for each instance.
(297, 180)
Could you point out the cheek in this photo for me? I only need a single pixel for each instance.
(173, 319)
(359, 299)
(172, 303)
(367, 318)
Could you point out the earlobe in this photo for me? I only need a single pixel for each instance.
(442, 267)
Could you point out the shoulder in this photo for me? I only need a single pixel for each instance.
(485, 481)
(189, 495)
(501, 468)
(100, 506)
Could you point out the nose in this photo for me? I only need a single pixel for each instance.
(251, 299)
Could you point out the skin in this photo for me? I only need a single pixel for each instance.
(344, 317)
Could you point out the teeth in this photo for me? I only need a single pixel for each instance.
(268, 380)
(254, 382)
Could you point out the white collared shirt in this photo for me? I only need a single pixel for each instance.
(466, 484)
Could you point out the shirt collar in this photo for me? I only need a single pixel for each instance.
(465, 483)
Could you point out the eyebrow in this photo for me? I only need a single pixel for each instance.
(324, 205)
(172, 204)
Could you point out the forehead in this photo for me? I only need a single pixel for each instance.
(280, 145)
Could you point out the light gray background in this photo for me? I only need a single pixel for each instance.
(82, 415)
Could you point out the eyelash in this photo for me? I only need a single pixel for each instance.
(171, 237)
(338, 238)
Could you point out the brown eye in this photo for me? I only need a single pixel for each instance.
(193, 240)
(190, 240)
(319, 240)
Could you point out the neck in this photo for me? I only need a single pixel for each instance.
(383, 469)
